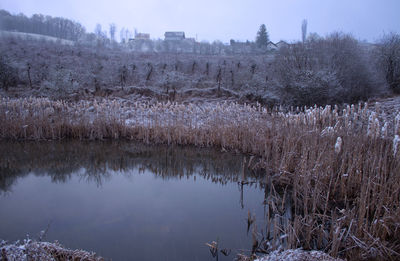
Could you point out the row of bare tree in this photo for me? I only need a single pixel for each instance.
(40, 24)
(333, 69)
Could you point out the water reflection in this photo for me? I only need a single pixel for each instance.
(95, 162)
(126, 200)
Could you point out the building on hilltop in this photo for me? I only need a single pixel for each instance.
(238, 47)
(174, 36)
(142, 36)
(191, 39)
(281, 43)
(272, 46)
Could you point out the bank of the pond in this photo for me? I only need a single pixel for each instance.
(297, 255)
(340, 168)
(43, 251)
(46, 251)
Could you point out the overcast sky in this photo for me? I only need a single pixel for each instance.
(225, 19)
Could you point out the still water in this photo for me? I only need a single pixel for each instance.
(128, 201)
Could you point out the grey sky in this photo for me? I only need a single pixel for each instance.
(225, 19)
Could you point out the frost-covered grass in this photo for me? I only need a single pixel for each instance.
(296, 255)
(340, 168)
(43, 251)
(28, 36)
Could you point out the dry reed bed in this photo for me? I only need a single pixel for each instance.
(342, 167)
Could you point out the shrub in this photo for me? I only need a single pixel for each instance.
(325, 70)
(388, 60)
(8, 74)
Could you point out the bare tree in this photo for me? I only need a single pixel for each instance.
(128, 34)
(125, 35)
(304, 30)
(389, 60)
(113, 29)
(98, 31)
(122, 35)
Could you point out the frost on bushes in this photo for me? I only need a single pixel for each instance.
(175, 80)
(334, 69)
(311, 87)
(260, 89)
(387, 56)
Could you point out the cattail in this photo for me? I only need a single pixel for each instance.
(327, 131)
(397, 124)
(338, 145)
(396, 142)
(373, 125)
(377, 107)
(384, 130)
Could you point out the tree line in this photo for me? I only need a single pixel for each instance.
(40, 24)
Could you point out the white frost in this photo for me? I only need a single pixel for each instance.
(297, 254)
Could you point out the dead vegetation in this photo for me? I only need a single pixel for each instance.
(339, 168)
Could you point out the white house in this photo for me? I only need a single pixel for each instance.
(174, 36)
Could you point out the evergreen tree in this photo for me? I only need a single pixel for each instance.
(262, 38)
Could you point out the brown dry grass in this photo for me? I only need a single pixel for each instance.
(341, 168)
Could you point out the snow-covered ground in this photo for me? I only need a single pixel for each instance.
(36, 37)
(297, 255)
(44, 251)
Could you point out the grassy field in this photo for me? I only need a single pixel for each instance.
(340, 168)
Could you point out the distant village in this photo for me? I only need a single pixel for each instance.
(177, 42)
(174, 41)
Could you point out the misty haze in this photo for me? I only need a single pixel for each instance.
(186, 130)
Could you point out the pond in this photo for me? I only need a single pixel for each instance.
(127, 201)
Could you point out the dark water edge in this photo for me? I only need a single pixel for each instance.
(127, 200)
